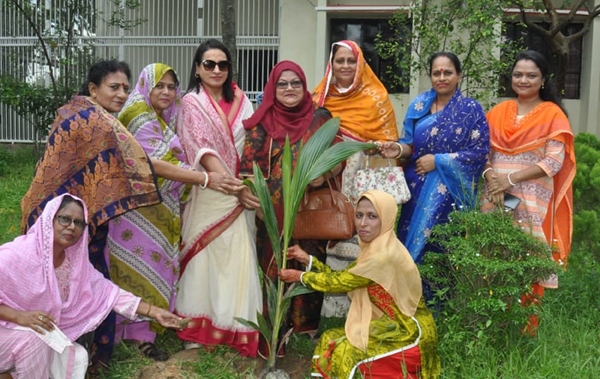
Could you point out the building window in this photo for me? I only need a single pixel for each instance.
(535, 41)
(364, 32)
(254, 67)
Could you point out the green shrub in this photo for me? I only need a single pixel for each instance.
(586, 195)
(489, 264)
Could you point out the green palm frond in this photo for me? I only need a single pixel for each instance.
(315, 159)
(261, 190)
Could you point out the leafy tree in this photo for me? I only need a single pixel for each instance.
(471, 29)
(64, 49)
(553, 24)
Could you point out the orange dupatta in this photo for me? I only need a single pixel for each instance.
(365, 109)
(546, 121)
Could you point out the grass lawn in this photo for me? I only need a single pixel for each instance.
(567, 346)
(16, 172)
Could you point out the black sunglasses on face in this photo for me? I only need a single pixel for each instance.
(209, 65)
(66, 221)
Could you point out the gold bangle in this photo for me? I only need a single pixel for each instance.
(401, 151)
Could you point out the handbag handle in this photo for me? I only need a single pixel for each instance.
(333, 198)
(369, 164)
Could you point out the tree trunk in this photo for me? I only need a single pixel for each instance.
(228, 32)
(560, 48)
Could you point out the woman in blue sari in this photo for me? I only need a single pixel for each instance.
(446, 138)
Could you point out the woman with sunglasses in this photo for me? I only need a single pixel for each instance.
(50, 295)
(286, 110)
(219, 271)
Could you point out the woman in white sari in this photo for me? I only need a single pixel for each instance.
(219, 273)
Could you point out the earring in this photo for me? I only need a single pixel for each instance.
(542, 86)
(197, 76)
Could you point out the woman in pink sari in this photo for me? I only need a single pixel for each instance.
(50, 295)
(219, 270)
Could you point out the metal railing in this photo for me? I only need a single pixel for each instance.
(171, 33)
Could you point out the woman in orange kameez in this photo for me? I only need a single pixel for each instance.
(532, 157)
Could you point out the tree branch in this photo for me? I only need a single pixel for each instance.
(551, 11)
(587, 23)
(68, 52)
(44, 48)
(565, 21)
(532, 25)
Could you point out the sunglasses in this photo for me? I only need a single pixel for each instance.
(66, 221)
(284, 85)
(210, 65)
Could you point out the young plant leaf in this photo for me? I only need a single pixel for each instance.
(264, 196)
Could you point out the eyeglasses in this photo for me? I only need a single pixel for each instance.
(210, 65)
(294, 83)
(66, 221)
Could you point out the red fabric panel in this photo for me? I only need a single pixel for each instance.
(391, 366)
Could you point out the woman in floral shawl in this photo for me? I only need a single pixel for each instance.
(90, 154)
(144, 244)
(219, 270)
(446, 138)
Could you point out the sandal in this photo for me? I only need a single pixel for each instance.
(151, 351)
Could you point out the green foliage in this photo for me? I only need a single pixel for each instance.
(586, 196)
(471, 29)
(62, 54)
(18, 166)
(489, 264)
(314, 159)
(31, 101)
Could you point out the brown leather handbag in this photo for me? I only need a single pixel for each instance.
(324, 214)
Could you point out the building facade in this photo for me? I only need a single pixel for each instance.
(267, 31)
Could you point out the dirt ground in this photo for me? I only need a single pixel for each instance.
(296, 367)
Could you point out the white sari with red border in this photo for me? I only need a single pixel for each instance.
(219, 273)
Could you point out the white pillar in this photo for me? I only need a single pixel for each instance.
(321, 44)
(590, 80)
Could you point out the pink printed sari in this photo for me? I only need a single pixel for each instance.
(219, 272)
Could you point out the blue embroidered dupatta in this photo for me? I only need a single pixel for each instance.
(458, 136)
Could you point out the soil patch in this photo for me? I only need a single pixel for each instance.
(186, 364)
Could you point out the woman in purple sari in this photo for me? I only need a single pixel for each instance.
(446, 138)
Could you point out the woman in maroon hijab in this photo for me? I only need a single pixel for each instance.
(287, 110)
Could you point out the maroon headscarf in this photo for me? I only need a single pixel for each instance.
(277, 119)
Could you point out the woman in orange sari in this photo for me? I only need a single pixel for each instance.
(351, 90)
(532, 157)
